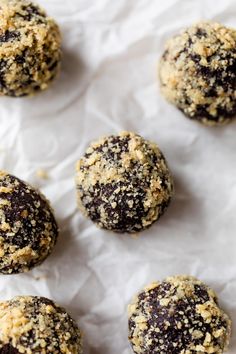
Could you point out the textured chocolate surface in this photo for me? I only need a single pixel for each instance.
(9, 349)
(123, 183)
(198, 72)
(30, 52)
(36, 325)
(179, 315)
(28, 230)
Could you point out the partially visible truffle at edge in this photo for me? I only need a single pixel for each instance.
(28, 229)
(198, 72)
(180, 315)
(30, 48)
(32, 324)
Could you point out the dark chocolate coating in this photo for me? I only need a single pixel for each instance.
(8, 349)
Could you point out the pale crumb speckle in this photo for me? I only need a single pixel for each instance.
(41, 173)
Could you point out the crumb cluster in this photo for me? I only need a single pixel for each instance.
(123, 183)
(198, 72)
(36, 325)
(180, 315)
(30, 51)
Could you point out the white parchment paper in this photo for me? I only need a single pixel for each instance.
(108, 84)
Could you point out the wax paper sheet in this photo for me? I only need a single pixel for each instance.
(108, 84)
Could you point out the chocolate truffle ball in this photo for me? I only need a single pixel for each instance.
(29, 48)
(180, 315)
(30, 324)
(123, 183)
(198, 73)
(28, 230)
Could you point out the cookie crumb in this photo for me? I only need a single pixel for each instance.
(41, 173)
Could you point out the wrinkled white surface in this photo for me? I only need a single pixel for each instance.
(108, 84)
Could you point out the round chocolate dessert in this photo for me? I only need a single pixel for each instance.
(30, 324)
(30, 51)
(28, 230)
(198, 72)
(123, 183)
(179, 315)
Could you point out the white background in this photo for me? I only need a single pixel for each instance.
(108, 84)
